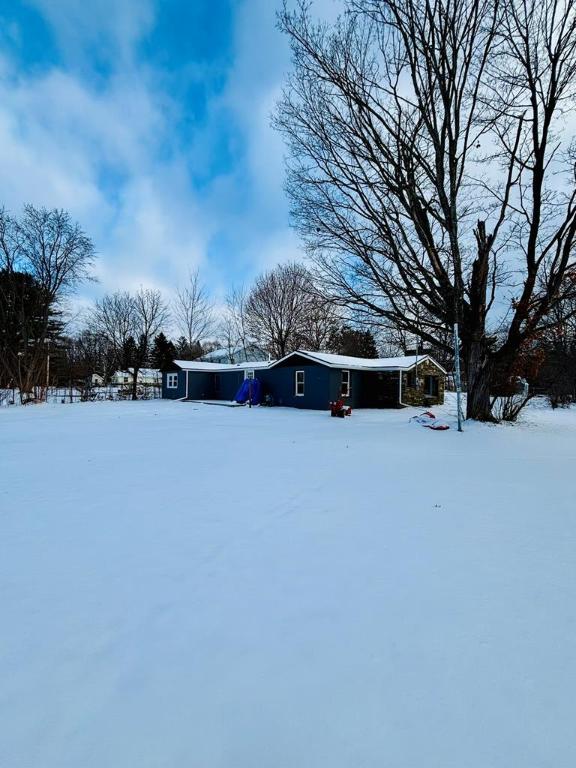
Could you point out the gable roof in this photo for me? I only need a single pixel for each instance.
(251, 350)
(361, 363)
(323, 358)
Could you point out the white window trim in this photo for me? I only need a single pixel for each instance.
(296, 393)
(347, 392)
(172, 381)
(249, 373)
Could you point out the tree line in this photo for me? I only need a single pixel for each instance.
(46, 257)
(282, 311)
(431, 172)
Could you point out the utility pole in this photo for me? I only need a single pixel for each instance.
(457, 375)
(417, 347)
(20, 376)
(47, 374)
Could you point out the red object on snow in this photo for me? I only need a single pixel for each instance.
(429, 420)
(338, 408)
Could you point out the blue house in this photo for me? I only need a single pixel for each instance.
(196, 380)
(305, 379)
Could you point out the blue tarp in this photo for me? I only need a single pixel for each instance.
(250, 389)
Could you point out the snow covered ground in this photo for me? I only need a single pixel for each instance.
(186, 586)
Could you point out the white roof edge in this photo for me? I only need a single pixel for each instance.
(421, 359)
(350, 362)
(199, 365)
(405, 363)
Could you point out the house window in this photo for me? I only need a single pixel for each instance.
(172, 381)
(299, 383)
(345, 389)
(411, 380)
(431, 385)
(125, 379)
(249, 374)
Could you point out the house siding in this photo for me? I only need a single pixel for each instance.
(229, 384)
(322, 384)
(280, 383)
(180, 391)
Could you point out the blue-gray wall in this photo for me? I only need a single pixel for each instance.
(230, 383)
(204, 385)
(321, 385)
(180, 391)
(200, 385)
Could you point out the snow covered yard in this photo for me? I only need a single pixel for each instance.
(187, 586)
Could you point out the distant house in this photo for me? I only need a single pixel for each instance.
(146, 377)
(239, 355)
(96, 380)
(305, 379)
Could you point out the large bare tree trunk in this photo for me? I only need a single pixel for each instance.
(479, 364)
(479, 370)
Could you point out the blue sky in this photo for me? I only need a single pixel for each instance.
(150, 122)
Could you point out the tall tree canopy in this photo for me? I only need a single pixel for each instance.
(353, 342)
(284, 311)
(431, 167)
(44, 256)
(130, 323)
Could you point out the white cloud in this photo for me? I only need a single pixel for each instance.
(105, 148)
(111, 26)
(261, 62)
(95, 153)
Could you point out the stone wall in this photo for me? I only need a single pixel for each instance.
(417, 395)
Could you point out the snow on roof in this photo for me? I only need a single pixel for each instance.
(325, 358)
(196, 365)
(363, 363)
(146, 371)
(217, 353)
(222, 351)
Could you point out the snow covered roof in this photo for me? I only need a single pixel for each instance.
(146, 371)
(362, 363)
(197, 365)
(218, 353)
(324, 358)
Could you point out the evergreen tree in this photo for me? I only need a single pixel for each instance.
(163, 352)
(353, 343)
(129, 353)
(187, 351)
(30, 326)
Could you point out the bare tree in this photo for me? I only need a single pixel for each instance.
(233, 329)
(113, 318)
(193, 311)
(557, 375)
(321, 320)
(96, 354)
(284, 311)
(430, 167)
(130, 322)
(44, 256)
